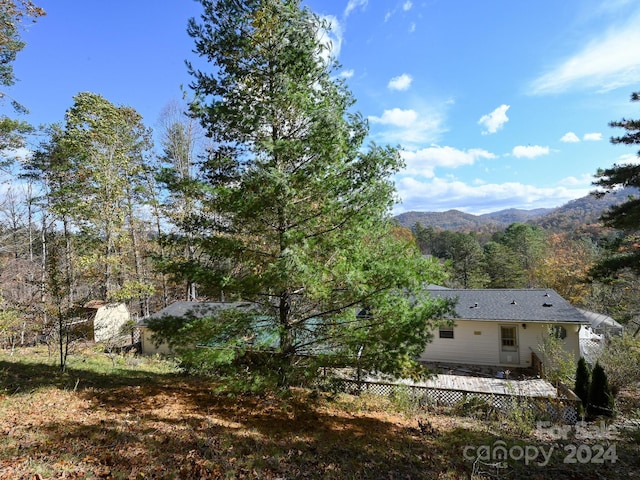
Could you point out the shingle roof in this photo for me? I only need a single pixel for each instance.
(193, 310)
(516, 305)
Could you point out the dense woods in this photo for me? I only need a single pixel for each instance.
(527, 255)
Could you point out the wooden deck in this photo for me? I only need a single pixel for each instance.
(528, 388)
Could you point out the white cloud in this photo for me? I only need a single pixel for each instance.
(592, 137)
(584, 179)
(396, 117)
(412, 27)
(346, 73)
(439, 194)
(401, 82)
(628, 159)
(406, 6)
(570, 137)
(495, 120)
(331, 37)
(353, 4)
(409, 128)
(413, 128)
(605, 63)
(423, 162)
(529, 151)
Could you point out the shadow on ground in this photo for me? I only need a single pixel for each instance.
(135, 424)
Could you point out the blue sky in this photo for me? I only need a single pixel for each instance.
(495, 103)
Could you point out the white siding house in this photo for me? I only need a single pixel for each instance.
(503, 327)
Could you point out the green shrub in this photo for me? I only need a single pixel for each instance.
(583, 381)
(559, 364)
(473, 406)
(621, 360)
(600, 397)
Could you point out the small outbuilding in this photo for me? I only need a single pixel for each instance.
(105, 320)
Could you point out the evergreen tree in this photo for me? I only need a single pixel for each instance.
(527, 242)
(13, 14)
(502, 267)
(623, 253)
(295, 214)
(425, 238)
(181, 140)
(583, 381)
(468, 261)
(464, 255)
(600, 397)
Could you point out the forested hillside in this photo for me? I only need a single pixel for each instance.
(582, 211)
(556, 249)
(449, 220)
(570, 216)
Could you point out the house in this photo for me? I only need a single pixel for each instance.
(503, 328)
(180, 310)
(104, 320)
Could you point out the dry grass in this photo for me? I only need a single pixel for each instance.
(139, 420)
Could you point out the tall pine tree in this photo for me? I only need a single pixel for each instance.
(624, 252)
(13, 15)
(295, 212)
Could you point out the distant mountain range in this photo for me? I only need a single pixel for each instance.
(574, 214)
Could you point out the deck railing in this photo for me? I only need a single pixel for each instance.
(562, 408)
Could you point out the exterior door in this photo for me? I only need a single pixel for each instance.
(509, 350)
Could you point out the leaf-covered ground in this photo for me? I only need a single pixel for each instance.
(134, 419)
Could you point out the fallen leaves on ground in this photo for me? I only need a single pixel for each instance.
(169, 426)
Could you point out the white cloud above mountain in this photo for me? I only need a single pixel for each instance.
(438, 194)
(584, 179)
(422, 162)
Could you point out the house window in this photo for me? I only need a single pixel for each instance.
(559, 332)
(446, 332)
(508, 335)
